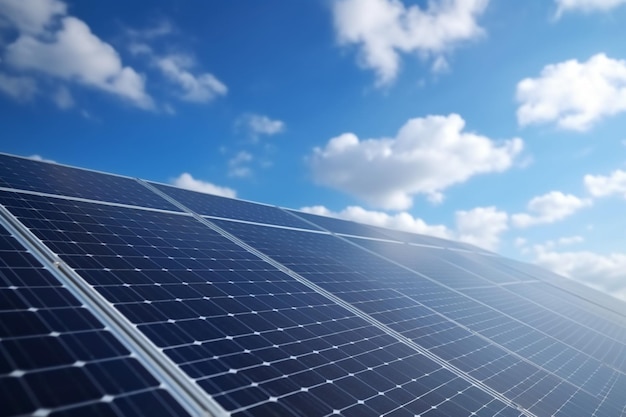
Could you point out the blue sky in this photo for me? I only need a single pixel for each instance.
(498, 123)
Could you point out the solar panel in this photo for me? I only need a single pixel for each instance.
(239, 327)
(163, 301)
(351, 228)
(396, 296)
(57, 358)
(217, 206)
(43, 177)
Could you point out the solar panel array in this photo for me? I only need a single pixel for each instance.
(124, 297)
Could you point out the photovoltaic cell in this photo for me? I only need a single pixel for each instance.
(341, 226)
(30, 175)
(255, 339)
(217, 206)
(56, 358)
(384, 323)
(351, 228)
(442, 321)
(440, 264)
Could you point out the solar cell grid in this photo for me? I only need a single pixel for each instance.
(583, 338)
(27, 174)
(589, 314)
(347, 227)
(217, 206)
(262, 342)
(56, 358)
(335, 225)
(248, 334)
(442, 339)
(439, 264)
(567, 288)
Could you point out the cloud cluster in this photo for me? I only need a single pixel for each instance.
(426, 156)
(179, 69)
(605, 272)
(55, 44)
(197, 88)
(185, 180)
(238, 165)
(481, 226)
(602, 186)
(400, 221)
(586, 5)
(549, 208)
(383, 29)
(259, 125)
(573, 94)
(20, 88)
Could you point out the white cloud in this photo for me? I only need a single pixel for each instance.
(575, 95)
(159, 29)
(63, 98)
(31, 16)
(237, 166)
(426, 156)
(18, 87)
(520, 242)
(602, 186)
(481, 226)
(188, 182)
(37, 157)
(385, 28)
(604, 272)
(67, 50)
(549, 208)
(258, 124)
(198, 88)
(440, 65)
(586, 5)
(195, 87)
(401, 221)
(570, 240)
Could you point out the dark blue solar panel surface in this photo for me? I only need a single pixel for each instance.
(341, 226)
(397, 329)
(495, 339)
(26, 174)
(56, 358)
(351, 228)
(257, 340)
(217, 206)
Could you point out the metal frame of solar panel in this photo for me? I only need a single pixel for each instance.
(121, 297)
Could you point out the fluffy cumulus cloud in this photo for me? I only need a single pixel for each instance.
(602, 186)
(384, 29)
(549, 208)
(199, 87)
(401, 221)
(574, 95)
(604, 272)
(238, 166)
(52, 43)
(20, 88)
(426, 156)
(31, 16)
(185, 180)
(179, 69)
(259, 125)
(586, 5)
(481, 226)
